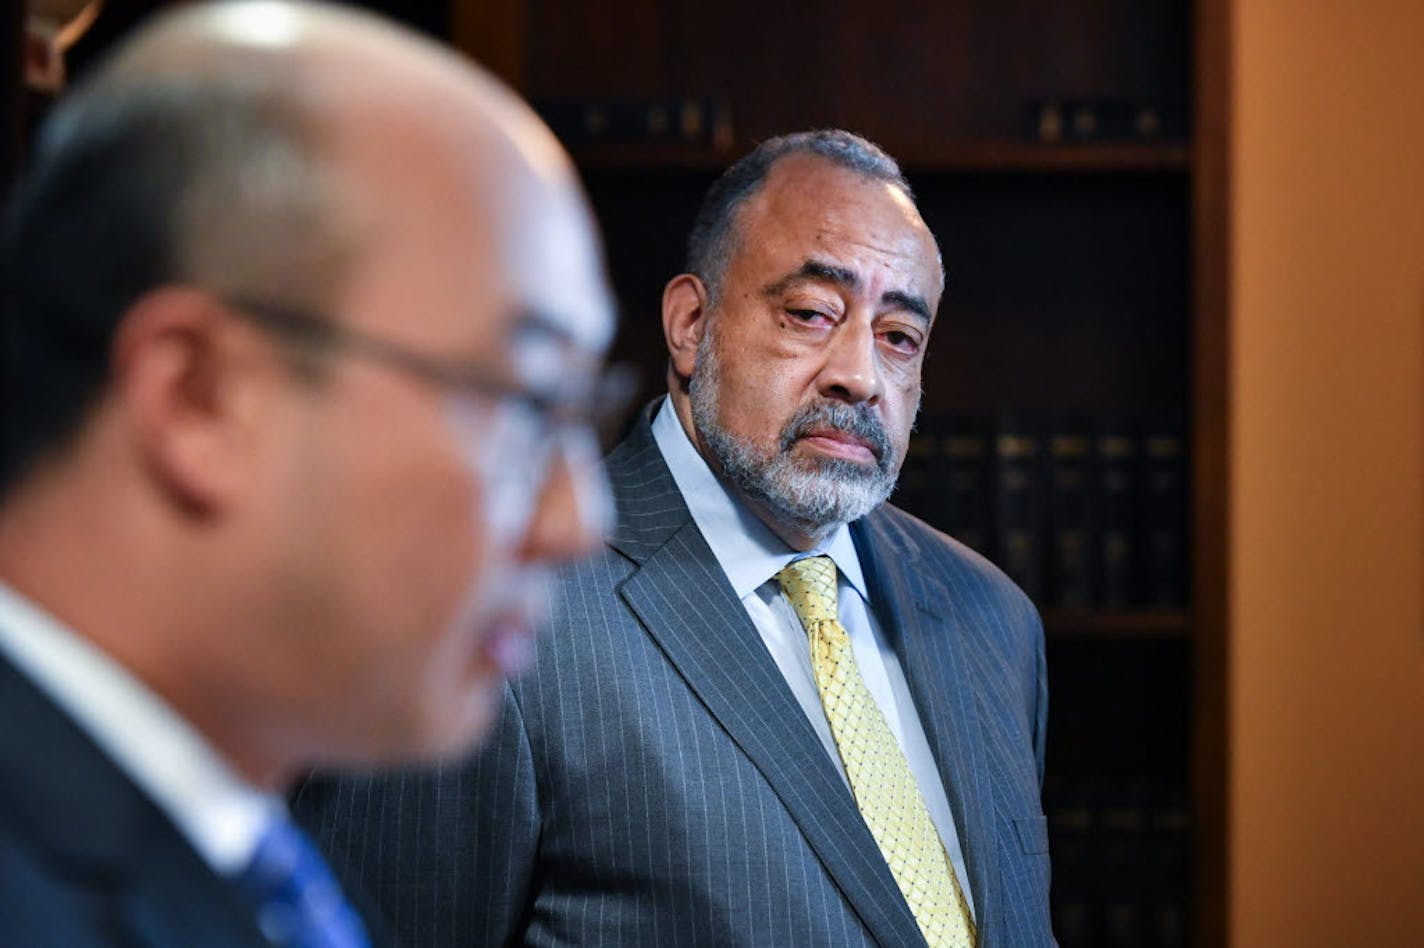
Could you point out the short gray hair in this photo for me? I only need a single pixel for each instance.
(713, 239)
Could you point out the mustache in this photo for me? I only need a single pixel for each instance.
(858, 420)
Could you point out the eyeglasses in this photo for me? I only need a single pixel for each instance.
(600, 409)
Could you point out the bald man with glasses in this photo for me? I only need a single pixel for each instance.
(307, 319)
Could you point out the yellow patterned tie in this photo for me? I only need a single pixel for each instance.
(884, 788)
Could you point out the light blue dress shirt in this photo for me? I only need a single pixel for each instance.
(751, 556)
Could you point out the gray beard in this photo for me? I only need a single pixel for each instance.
(812, 495)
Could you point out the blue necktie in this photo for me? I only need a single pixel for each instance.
(298, 901)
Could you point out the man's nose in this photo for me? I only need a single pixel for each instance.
(574, 510)
(851, 372)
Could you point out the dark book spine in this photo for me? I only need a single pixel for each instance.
(637, 121)
(1019, 506)
(1098, 120)
(1122, 825)
(1170, 869)
(964, 459)
(1071, 835)
(1117, 506)
(1071, 546)
(1164, 542)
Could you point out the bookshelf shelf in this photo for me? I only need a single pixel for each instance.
(965, 156)
(1027, 156)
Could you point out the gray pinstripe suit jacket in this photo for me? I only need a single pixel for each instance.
(653, 782)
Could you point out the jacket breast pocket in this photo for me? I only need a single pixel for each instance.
(1032, 834)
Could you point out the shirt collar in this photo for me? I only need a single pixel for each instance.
(220, 814)
(746, 549)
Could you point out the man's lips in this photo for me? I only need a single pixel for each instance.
(504, 623)
(841, 444)
(508, 644)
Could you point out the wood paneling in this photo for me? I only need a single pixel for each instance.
(1211, 475)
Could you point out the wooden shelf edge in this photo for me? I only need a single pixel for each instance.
(1038, 157)
(1060, 624)
(975, 157)
(652, 157)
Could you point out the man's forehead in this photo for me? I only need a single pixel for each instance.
(813, 179)
(815, 199)
(574, 316)
(538, 235)
(481, 247)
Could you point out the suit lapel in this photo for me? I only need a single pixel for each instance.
(165, 905)
(681, 596)
(919, 615)
(94, 825)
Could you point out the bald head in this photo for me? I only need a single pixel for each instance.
(240, 147)
(330, 62)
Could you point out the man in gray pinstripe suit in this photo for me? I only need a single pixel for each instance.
(667, 773)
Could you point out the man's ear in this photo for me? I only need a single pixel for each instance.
(183, 376)
(684, 321)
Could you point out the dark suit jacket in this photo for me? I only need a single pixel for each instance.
(86, 859)
(654, 782)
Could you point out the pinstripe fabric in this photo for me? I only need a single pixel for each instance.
(653, 781)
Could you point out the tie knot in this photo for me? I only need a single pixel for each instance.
(810, 587)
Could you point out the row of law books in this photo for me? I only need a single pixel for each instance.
(1058, 120)
(1083, 515)
(638, 120)
(1121, 853)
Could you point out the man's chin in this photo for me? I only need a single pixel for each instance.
(452, 733)
(454, 717)
(824, 495)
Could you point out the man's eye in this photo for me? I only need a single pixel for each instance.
(902, 341)
(807, 315)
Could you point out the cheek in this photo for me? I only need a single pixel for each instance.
(419, 594)
(413, 525)
(494, 444)
(759, 391)
(436, 521)
(381, 540)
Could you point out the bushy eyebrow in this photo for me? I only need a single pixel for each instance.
(909, 302)
(819, 271)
